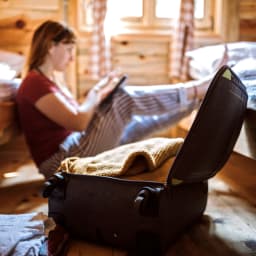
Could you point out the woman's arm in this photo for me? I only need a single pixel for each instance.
(56, 108)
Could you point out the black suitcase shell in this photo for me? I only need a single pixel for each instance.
(146, 215)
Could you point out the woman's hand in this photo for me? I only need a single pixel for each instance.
(104, 87)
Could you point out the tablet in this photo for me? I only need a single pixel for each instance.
(119, 82)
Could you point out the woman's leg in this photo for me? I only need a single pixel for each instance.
(106, 129)
(142, 127)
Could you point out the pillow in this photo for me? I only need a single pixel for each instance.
(11, 64)
(203, 60)
(246, 69)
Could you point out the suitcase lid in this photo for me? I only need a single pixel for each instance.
(214, 132)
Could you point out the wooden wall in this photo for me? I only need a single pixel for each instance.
(143, 58)
(140, 55)
(247, 20)
(19, 19)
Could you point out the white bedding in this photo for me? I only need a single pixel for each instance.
(203, 60)
(241, 57)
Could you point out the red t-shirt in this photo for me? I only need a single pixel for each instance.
(43, 136)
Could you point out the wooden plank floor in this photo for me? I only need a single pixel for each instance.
(228, 226)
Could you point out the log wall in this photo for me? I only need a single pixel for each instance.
(247, 20)
(19, 19)
(143, 58)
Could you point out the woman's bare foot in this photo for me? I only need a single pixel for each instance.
(203, 84)
(223, 60)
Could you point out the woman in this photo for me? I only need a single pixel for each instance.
(56, 126)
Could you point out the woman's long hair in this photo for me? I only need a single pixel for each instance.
(44, 36)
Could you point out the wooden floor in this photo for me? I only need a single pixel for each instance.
(228, 226)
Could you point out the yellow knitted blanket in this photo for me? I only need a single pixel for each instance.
(129, 159)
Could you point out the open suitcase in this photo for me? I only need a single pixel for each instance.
(146, 216)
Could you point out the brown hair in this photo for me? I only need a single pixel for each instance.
(47, 33)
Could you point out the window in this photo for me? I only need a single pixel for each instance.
(151, 15)
(158, 14)
(85, 14)
(204, 14)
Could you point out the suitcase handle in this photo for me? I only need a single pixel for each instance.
(52, 183)
(147, 201)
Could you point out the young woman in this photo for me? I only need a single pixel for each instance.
(56, 126)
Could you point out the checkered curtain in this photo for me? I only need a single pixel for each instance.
(99, 51)
(182, 41)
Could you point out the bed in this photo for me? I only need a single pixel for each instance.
(11, 65)
(242, 59)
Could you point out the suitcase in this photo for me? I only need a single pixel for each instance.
(146, 216)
